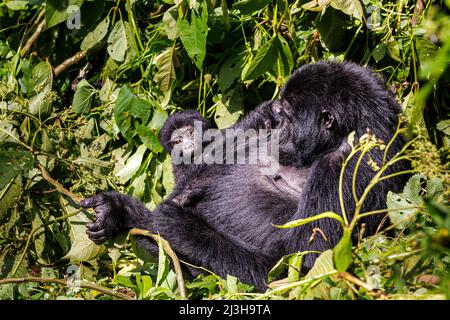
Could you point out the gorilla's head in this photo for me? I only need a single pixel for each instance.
(323, 102)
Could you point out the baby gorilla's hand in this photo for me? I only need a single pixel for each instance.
(109, 216)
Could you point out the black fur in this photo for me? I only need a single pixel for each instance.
(228, 227)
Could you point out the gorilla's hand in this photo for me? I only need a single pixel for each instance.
(110, 214)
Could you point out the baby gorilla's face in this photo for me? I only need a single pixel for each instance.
(182, 141)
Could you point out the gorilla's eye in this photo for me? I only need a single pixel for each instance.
(327, 119)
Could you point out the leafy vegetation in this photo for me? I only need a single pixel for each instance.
(86, 85)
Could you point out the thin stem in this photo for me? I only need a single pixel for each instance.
(355, 171)
(170, 252)
(370, 213)
(67, 284)
(397, 174)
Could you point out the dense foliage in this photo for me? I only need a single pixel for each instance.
(86, 85)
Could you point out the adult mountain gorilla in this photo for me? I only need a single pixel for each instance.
(227, 225)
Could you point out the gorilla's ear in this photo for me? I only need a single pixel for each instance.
(326, 119)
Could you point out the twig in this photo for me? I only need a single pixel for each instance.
(170, 252)
(347, 276)
(65, 283)
(420, 6)
(34, 37)
(69, 62)
(57, 185)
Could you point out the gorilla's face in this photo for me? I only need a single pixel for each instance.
(308, 127)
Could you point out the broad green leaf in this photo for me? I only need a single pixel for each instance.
(96, 36)
(158, 119)
(166, 62)
(342, 252)
(246, 7)
(350, 7)
(169, 20)
(9, 195)
(265, 58)
(41, 82)
(229, 108)
(193, 30)
(13, 163)
(17, 5)
(82, 248)
(58, 11)
(117, 42)
(163, 264)
(129, 108)
(379, 52)
(300, 222)
(285, 58)
(323, 265)
(149, 137)
(295, 266)
(402, 206)
(132, 165)
(82, 99)
(230, 71)
(168, 179)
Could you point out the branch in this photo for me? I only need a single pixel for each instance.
(170, 252)
(65, 283)
(57, 185)
(77, 57)
(420, 6)
(35, 35)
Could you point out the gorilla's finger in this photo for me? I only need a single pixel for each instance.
(98, 240)
(91, 201)
(96, 234)
(94, 226)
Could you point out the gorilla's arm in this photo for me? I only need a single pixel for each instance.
(186, 232)
(264, 116)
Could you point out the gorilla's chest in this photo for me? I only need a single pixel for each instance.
(244, 200)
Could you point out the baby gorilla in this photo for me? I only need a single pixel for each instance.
(179, 137)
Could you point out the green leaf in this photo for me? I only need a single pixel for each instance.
(82, 248)
(41, 82)
(300, 222)
(265, 58)
(350, 7)
(322, 266)
(132, 165)
(82, 99)
(13, 163)
(168, 179)
(128, 109)
(169, 20)
(285, 58)
(193, 29)
(57, 11)
(166, 62)
(96, 36)
(8, 197)
(342, 252)
(229, 108)
(230, 71)
(17, 5)
(117, 42)
(149, 137)
(295, 266)
(163, 264)
(249, 6)
(379, 52)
